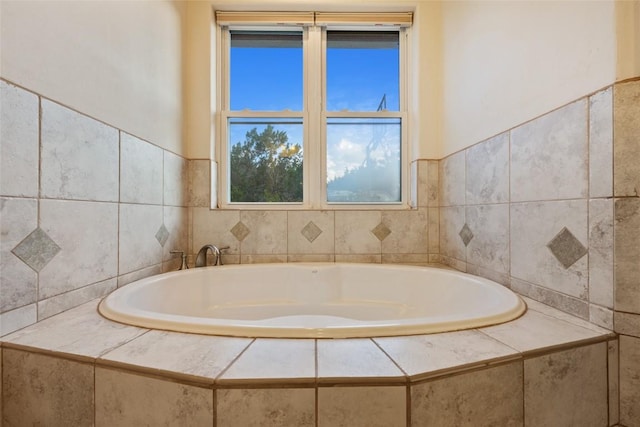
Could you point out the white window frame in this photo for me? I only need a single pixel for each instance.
(314, 115)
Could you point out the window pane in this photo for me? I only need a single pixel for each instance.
(265, 160)
(363, 70)
(266, 71)
(363, 160)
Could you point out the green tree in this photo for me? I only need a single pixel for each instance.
(266, 168)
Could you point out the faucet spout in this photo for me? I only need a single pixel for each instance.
(201, 258)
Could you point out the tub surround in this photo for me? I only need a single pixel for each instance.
(404, 380)
(85, 208)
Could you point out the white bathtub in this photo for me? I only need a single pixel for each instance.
(312, 300)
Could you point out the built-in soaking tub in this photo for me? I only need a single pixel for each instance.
(313, 300)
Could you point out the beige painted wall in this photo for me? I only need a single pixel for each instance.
(117, 61)
(508, 62)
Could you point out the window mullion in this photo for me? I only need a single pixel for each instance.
(313, 91)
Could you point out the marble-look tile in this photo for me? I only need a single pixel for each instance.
(200, 183)
(488, 171)
(627, 254)
(268, 232)
(176, 220)
(562, 315)
(44, 390)
(533, 226)
(454, 263)
(613, 367)
(52, 306)
(139, 247)
(310, 232)
(489, 247)
(549, 156)
(433, 183)
(214, 227)
(601, 316)
(311, 258)
(414, 184)
(281, 407)
(18, 218)
(140, 171)
(535, 331)
(1, 400)
(176, 180)
(422, 172)
(125, 279)
(567, 388)
(75, 331)
(18, 318)
(19, 145)
(262, 259)
(354, 359)
(452, 219)
(626, 143)
(405, 259)
(433, 230)
(274, 360)
(362, 406)
(629, 380)
(429, 355)
(498, 277)
(452, 180)
(601, 144)
(353, 232)
(123, 399)
(192, 355)
(489, 397)
(566, 303)
(601, 252)
(87, 233)
(366, 258)
(79, 156)
(627, 323)
(409, 232)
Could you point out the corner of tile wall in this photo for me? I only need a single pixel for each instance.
(84, 207)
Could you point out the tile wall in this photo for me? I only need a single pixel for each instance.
(539, 207)
(407, 236)
(84, 208)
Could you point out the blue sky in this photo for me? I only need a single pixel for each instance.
(271, 80)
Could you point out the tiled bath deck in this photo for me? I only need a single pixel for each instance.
(77, 368)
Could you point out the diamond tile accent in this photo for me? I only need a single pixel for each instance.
(240, 231)
(311, 231)
(381, 231)
(466, 234)
(162, 235)
(37, 249)
(566, 248)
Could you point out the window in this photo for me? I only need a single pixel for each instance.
(313, 110)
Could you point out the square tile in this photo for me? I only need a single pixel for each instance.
(19, 141)
(433, 220)
(567, 388)
(280, 407)
(18, 318)
(433, 183)
(601, 252)
(487, 175)
(139, 247)
(200, 183)
(45, 390)
(575, 306)
(469, 399)
(176, 220)
(19, 282)
(215, 227)
(549, 156)
(79, 156)
(452, 180)
(627, 254)
(353, 232)
(629, 380)
(54, 305)
(85, 258)
(408, 232)
(128, 399)
(533, 226)
(566, 248)
(362, 406)
(489, 247)
(140, 171)
(614, 383)
(452, 219)
(268, 232)
(601, 144)
(626, 143)
(176, 180)
(310, 232)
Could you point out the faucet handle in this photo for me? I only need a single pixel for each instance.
(183, 265)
